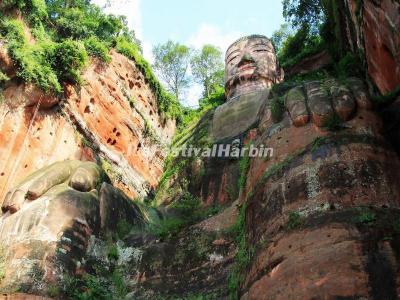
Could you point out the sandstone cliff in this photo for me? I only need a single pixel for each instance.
(114, 116)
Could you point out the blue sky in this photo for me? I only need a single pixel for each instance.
(183, 20)
(197, 22)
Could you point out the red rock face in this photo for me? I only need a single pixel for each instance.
(117, 106)
(381, 24)
(51, 138)
(116, 113)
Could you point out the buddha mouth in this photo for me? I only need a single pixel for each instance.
(246, 67)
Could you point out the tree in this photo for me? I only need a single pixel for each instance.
(172, 62)
(208, 68)
(281, 35)
(304, 12)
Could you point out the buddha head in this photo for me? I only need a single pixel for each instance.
(250, 65)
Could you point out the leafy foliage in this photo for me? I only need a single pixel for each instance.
(295, 220)
(34, 61)
(281, 35)
(208, 69)
(167, 102)
(298, 46)
(172, 62)
(277, 108)
(333, 123)
(349, 65)
(3, 78)
(365, 217)
(35, 9)
(97, 49)
(103, 285)
(244, 165)
(303, 12)
(69, 58)
(387, 98)
(243, 256)
(215, 99)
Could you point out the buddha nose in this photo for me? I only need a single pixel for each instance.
(246, 58)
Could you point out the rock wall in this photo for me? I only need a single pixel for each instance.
(114, 113)
(372, 26)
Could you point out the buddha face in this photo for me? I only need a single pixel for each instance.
(250, 65)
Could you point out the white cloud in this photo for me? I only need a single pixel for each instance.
(148, 51)
(128, 8)
(192, 95)
(211, 34)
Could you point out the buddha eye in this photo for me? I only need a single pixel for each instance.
(232, 59)
(260, 50)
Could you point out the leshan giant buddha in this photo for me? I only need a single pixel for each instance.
(321, 214)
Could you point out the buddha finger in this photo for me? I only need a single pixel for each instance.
(342, 100)
(319, 103)
(295, 103)
(85, 177)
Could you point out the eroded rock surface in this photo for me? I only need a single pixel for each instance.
(115, 113)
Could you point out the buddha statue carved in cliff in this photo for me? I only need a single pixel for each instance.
(251, 65)
(331, 165)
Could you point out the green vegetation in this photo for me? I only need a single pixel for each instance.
(123, 229)
(333, 123)
(387, 98)
(295, 220)
(365, 217)
(3, 78)
(193, 130)
(172, 61)
(349, 65)
(304, 12)
(95, 47)
(167, 228)
(186, 211)
(104, 284)
(316, 26)
(281, 35)
(167, 103)
(208, 69)
(243, 256)
(277, 108)
(244, 166)
(34, 61)
(282, 88)
(215, 99)
(112, 251)
(108, 172)
(299, 46)
(36, 10)
(53, 291)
